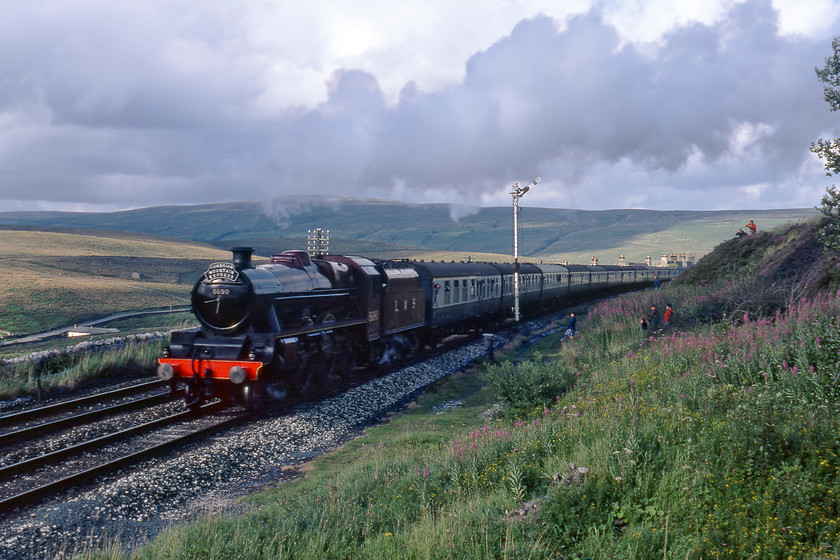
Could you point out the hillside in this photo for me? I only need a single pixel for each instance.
(60, 277)
(390, 229)
(773, 267)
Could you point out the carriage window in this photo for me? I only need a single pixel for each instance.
(464, 290)
(457, 292)
(447, 292)
(472, 288)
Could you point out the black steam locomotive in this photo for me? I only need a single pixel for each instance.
(296, 322)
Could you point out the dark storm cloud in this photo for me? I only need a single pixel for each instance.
(567, 100)
(96, 109)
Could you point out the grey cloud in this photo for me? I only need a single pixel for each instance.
(125, 114)
(569, 100)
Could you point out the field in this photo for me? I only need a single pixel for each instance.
(58, 278)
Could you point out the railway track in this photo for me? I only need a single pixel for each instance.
(29, 415)
(32, 470)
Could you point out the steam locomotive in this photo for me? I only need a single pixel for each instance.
(297, 323)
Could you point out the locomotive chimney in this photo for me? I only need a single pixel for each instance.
(242, 257)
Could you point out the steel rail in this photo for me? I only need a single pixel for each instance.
(24, 415)
(55, 456)
(56, 486)
(55, 425)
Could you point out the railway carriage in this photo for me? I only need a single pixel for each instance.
(530, 286)
(456, 294)
(554, 286)
(579, 279)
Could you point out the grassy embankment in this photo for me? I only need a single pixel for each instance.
(718, 437)
(66, 370)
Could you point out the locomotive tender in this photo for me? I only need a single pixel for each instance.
(297, 322)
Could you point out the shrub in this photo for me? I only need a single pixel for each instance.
(530, 385)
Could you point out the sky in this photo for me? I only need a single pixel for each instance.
(657, 104)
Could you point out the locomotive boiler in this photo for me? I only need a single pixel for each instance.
(298, 323)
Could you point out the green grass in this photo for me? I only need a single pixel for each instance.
(67, 370)
(718, 437)
(681, 463)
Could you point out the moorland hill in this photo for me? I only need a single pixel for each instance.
(389, 229)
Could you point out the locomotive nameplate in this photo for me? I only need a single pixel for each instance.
(221, 272)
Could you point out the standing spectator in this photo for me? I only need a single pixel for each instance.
(655, 281)
(654, 318)
(752, 227)
(571, 329)
(668, 315)
(643, 324)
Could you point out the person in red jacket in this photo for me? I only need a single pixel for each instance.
(752, 227)
(668, 315)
